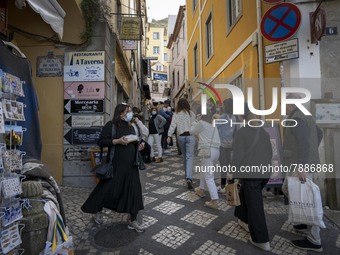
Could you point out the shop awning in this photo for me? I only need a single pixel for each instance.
(51, 12)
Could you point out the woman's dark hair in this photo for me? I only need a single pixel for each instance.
(136, 109)
(228, 106)
(183, 105)
(153, 108)
(120, 108)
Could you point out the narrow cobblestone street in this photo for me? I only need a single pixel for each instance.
(177, 222)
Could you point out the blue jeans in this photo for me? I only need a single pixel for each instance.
(187, 145)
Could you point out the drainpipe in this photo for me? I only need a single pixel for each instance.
(260, 54)
(200, 40)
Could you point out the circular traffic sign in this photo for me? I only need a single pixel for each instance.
(273, 1)
(280, 22)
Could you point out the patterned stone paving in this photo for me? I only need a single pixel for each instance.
(233, 230)
(181, 182)
(199, 218)
(163, 178)
(144, 252)
(161, 170)
(165, 190)
(168, 207)
(176, 221)
(148, 221)
(188, 196)
(172, 236)
(178, 172)
(150, 175)
(148, 200)
(149, 186)
(210, 247)
(276, 208)
(222, 204)
(282, 246)
(288, 226)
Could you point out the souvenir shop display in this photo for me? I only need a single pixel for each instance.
(11, 138)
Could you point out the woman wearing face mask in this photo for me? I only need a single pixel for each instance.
(123, 192)
(156, 128)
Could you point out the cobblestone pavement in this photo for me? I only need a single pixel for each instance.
(177, 222)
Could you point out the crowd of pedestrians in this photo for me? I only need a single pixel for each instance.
(196, 134)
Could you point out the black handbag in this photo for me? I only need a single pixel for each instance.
(139, 159)
(104, 170)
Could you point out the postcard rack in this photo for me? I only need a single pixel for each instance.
(11, 138)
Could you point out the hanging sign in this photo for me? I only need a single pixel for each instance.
(282, 51)
(77, 136)
(160, 76)
(85, 58)
(84, 90)
(129, 45)
(317, 25)
(83, 106)
(280, 22)
(131, 28)
(84, 73)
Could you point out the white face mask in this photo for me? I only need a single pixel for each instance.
(128, 116)
(153, 112)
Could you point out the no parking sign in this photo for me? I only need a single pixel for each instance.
(280, 22)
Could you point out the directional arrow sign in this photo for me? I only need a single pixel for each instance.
(84, 120)
(77, 136)
(83, 106)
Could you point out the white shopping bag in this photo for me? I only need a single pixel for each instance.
(305, 205)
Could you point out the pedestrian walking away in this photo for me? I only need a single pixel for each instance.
(226, 132)
(208, 146)
(300, 147)
(252, 147)
(182, 121)
(156, 128)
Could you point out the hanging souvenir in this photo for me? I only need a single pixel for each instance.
(13, 110)
(14, 135)
(11, 212)
(12, 84)
(10, 238)
(11, 187)
(12, 160)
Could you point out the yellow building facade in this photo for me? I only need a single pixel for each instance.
(156, 45)
(225, 46)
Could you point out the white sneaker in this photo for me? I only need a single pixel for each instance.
(243, 225)
(98, 218)
(136, 226)
(263, 246)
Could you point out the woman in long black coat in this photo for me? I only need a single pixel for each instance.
(123, 192)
